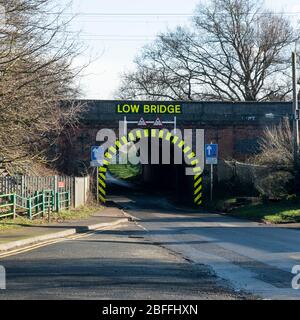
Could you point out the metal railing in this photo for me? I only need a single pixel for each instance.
(7, 201)
(12, 205)
(63, 201)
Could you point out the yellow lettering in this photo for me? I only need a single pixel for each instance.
(135, 108)
(178, 108)
(159, 108)
(126, 108)
(163, 109)
(146, 108)
(153, 108)
(170, 108)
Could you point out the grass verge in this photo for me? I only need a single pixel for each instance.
(65, 215)
(284, 211)
(277, 212)
(125, 171)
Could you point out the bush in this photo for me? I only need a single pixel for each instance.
(276, 155)
(275, 184)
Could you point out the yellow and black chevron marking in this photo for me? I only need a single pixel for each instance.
(154, 133)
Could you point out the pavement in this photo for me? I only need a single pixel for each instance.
(12, 239)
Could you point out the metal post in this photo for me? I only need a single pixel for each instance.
(295, 119)
(125, 126)
(68, 200)
(43, 203)
(97, 184)
(175, 125)
(29, 206)
(49, 209)
(57, 201)
(36, 201)
(295, 111)
(211, 181)
(14, 198)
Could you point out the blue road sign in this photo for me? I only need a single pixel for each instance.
(211, 153)
(97, 155)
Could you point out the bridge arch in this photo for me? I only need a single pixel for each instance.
(193, 161)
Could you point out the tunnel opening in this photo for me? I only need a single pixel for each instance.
(163, 172)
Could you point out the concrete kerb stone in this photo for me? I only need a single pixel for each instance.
(5, 247)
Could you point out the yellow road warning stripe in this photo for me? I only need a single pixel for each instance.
(131, 136)
(124, 140)
(197, 183)
(198, 197)
(199, 203)
(118, 144)
(181, 144)
(168, 136)
(108, 155)
(197, 169)
(102, 183)
(102, 176)
(105, 162)
(191, 155)
(113, 149)
(175, 139)
(186, 149)
(138, 134)
(102, 190)
(159, 134)
(102, 199)
(196, 176)
(194, 162)
(198, 190)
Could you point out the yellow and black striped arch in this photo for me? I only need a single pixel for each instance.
(154, 133)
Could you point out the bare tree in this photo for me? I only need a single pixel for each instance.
(36, 75)
(234, 51)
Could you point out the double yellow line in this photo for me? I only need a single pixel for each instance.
(54, 241)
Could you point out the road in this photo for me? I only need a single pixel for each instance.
(115, 264)
(165, 253)
(250, 256)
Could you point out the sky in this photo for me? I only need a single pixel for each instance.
(113, 32)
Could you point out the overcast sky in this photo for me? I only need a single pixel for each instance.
(114, 32)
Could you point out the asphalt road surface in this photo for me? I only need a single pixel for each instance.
(165, 253)
(250, 257)
(115, 264)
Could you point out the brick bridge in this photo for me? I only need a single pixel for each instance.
(236, 127)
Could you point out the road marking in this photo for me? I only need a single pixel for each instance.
(139, 225)
(126, 214)
(50, 242)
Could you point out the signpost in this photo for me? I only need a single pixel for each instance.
(143, 123)
(211, 157)
(97, 155)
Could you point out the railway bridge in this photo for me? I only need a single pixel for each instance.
(235, 127)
